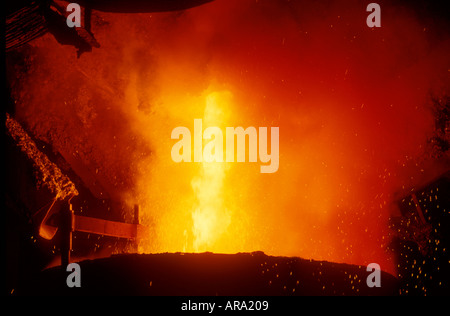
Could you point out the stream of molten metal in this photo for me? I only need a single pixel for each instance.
(210, 215)
(192, 204)
(197, 200)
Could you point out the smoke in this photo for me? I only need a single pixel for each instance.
(351, 102)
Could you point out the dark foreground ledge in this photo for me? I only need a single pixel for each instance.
(207, 274)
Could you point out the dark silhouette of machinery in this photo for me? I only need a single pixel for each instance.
(28, 19)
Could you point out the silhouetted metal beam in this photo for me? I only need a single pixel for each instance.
(107, 228)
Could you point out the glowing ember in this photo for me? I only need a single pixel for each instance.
(47, 173)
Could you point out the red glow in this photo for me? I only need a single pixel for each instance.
(350, 101)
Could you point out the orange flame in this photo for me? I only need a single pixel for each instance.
(350, 103)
